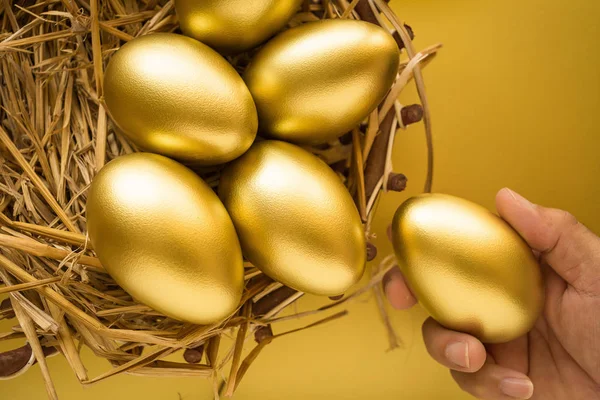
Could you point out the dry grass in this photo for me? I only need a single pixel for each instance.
(55, 136)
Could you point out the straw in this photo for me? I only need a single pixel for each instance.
(55, 135)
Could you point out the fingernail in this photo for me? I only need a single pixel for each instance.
(517, 387)
(519, 199)
(458, 353)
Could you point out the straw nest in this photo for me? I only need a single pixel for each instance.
(55, 136)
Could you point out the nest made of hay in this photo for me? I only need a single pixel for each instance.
(55, 136)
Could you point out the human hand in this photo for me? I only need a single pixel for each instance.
(560, 356)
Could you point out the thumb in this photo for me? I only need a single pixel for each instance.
(570, 248)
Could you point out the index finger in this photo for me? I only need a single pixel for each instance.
(397, 291)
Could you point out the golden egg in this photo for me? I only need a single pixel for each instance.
(165, 237)
(175, 96)
(313, 83)
(469, 269)
(295, 219)
(233, 26)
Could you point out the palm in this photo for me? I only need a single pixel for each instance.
(557, 354)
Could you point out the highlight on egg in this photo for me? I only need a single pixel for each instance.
(164, 236)
(469, 269)
(234, 26)
(295, 219)
(315, 82)
(172, 95)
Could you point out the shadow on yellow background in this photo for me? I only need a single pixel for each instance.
(515, 99)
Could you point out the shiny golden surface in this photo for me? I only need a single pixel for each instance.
(165, 237)
(316, 82)
(464, 101)
(295, 219)
(468, 267)
(233, 26)
(174, 96)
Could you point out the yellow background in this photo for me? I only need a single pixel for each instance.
(515, 99)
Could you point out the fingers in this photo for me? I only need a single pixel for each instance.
(513, 355)
(396, 290)
(466, 357)
(571, 249)
(455, 350)
(494, 382)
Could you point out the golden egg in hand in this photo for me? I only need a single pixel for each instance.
(469, 269)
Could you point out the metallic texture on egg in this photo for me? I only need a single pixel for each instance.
(315, 82)
(234, 26)
(172, 95)
(164, 236)
(469, 269)
(295, 219)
